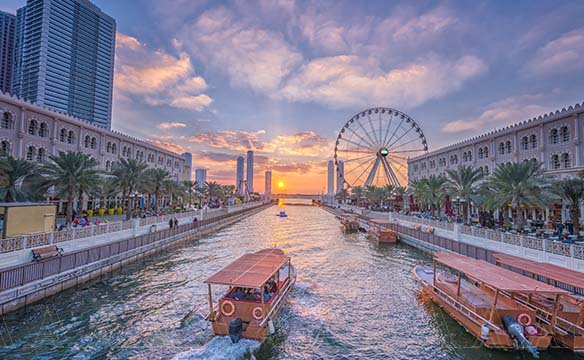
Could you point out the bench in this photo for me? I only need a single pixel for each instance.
(46, 252)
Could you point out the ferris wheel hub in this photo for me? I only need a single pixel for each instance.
(383, 151)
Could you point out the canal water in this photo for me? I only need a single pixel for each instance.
(353, 300)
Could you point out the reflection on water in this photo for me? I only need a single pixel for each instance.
(352, 300)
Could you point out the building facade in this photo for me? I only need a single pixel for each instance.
(7, 37)
(239, 180)
(331, 178)
(188, 167)
(268, 187)
(32, 132)
(201, 176)
(340, 175)
(554, 139)
(64, 52)
(249, 178)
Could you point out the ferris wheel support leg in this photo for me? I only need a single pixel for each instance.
(371, 176)
(387, 166)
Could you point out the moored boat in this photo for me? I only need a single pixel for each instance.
(349, 223)
(379, 230)
(569, 329)
(471, 291)
(258, 285)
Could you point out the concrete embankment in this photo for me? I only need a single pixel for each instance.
(26, 283)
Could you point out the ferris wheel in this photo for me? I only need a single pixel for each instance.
(374, 146)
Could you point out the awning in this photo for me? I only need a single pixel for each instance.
(495, 276)
(250, 270)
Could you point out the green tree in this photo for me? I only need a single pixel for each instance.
(462, 183)
(213, 190)
(105, 190)
(342, 195)
(69, 172)
(519, 184)
(16, 178)
(157, 181)
(190, 189)
(357, 193)
(572, 192)
(128, 175)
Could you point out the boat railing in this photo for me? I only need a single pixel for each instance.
(276, 303)
(461, 306)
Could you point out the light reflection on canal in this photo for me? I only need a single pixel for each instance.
(353, 300)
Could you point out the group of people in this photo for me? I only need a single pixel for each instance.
(270, 289)
(81, 222)
(173, 222)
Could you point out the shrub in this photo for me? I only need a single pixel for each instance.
(110, 211)
(101, 212)
(120, 211)
(90, 213)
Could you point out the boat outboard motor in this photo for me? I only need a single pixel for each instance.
(516, 331)
(235, 330)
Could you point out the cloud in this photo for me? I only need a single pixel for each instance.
(560, 55)
(158, 78)
(342, 81)
(500, 113)
(176, 148)
(235, 140)
(171, 125)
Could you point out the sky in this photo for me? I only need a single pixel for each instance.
(218, 78)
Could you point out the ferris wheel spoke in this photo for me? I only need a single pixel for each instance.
(370, 152)
(386, 172)
(364, 171)
(366, 133)
(359, 158)
(387, 130)
(372, 173)
(372, 130)
(394, 132)
(403, 151)
(406, 143)
(380, 131)
(356, 144)
(359, 166)
(392, 173)
(399, 138)
(361, 138)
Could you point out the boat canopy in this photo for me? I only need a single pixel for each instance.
(250, 270)
(552, 272)
(495, 276)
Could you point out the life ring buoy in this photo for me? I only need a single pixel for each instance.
(257, 313)
(224, 311)
(524, 319)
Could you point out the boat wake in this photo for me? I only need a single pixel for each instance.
(220, 347)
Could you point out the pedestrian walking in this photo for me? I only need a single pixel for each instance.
(560, 227)
(170, 223)
(175, 222)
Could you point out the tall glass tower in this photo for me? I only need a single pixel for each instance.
(239, 182)
(64, 58)
(7, 35)
(250, 171)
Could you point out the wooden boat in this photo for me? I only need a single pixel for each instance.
(349, 223)
(258, 286)
(471, 292)
(569, 330)
(379, 230)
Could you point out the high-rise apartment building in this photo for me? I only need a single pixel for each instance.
(188, 166)
(239, 173)
(201, 177)
(340, 175)
(64, 58)
(250, 171)
(7, 36)
(268, 187)
(331, 178)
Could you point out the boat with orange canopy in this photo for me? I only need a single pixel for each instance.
(349, 223)
(257, 287)
(471, 291)
(380, 231)
(569, 329)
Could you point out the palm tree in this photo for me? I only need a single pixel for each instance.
(572, 192)
(69, 172)
(157, 180)
(518, 184)
(417, 189)
(15, 174)
(357, 193)
(462, 183)
(433, 192)
(342, 195)
(401, 191)
(105, 190)
(128, 175)
(213, 190)
(190, 188)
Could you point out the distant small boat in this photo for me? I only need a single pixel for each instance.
(282, 214)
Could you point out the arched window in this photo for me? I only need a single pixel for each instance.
(4, 148)
(508, 146)
(87, 141)
(30, 153)
(524, 143)
(41, 155)
(70, 137)
(566, 161)
(486, 152)
(469, 155)
(108, 147)
(554, 138)
(63, 135)
(565, 133)
(108, 165)
(555, 162)
(455, 159)
(464, 157)
(138, 155)
(93, 143)
(43, 130)
(33, 127)
(486, 170)
(533, 141)
(114, 148)
(480, 153)
(129, 153)
(6, 120)
(501, 148)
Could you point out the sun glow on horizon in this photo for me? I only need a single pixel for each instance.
(280, 184)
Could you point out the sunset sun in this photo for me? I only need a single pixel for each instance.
(280, 184)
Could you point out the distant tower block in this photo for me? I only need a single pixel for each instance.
(239, 180)
(250, 171)
(268, 188)
(331, 178)
(340, 175)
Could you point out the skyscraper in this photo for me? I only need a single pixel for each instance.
(64, 52)
(250, 171)
(7, 36)
(188, 166)
(201, 177)
(239, 186)
(268, 188)
(340, 175)
(331, 178)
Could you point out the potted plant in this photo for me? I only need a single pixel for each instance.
(110, 211)
(120, 211)
(101, 211)
(89, 213)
